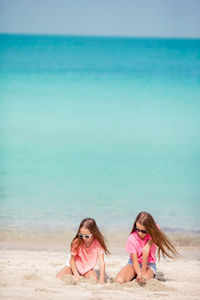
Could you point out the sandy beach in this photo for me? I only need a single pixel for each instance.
(30, 274)
(102, 126)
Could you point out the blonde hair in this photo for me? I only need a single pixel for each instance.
(158, 236)
(91, 225)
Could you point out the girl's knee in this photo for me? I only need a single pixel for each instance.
(119, 279)
(91, 275)
(62, 272)
(59, 275)
(94, 278)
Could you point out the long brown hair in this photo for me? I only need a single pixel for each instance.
(158, 236)
(91, 225)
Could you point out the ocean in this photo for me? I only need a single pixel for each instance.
(99, 127)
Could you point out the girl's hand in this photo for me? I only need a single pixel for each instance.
(145, 276)
(77, 277)
(141, 278)
(139, 275)
(101, 281)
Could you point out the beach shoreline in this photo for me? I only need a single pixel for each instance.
(60, 240)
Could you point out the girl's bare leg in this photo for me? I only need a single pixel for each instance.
(91, 275)
(149, 273)
(126, 274)
(65, 270)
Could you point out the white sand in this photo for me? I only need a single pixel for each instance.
(29, 274)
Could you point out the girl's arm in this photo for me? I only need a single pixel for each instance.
(73, 267)
(101, 268)
(145, 255)
(136, 265)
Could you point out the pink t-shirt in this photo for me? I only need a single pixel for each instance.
(135, 245)
(86, 258)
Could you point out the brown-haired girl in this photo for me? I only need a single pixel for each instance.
(141, 244)
(87, 247)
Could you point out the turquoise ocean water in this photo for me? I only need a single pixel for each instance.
(100, 127)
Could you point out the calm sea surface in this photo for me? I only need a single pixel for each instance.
(100, 127)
